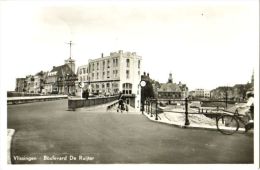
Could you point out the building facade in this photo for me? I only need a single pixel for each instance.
(171, 90)
(82, 73)
(110, 75)
(60, 80)
(200, 93)
(20, 85)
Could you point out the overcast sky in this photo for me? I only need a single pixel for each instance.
(203, 44)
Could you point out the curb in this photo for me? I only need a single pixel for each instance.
(10, 133)
(188, 126)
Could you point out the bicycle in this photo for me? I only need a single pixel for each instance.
(229, 124)
(122, 106)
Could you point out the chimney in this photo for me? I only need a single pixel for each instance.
(102, 55)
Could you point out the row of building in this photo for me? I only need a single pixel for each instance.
(119, 72)
(59, 80)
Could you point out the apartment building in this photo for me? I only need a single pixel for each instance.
(109, 75)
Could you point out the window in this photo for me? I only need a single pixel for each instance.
(127, 88)
(127, 63)
(116, 62)
(89, 68)
(108, 64)
(139, 63)
(115, 73)
(92, 76)
(103, 75)
(84, 71)
(104, 63)
(93, 67)
(127, 74)
(108, 76)
(97, 76)
(97, 65)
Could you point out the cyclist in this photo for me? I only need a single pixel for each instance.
(121, 100)
(249, 109)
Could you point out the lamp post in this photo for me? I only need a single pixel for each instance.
(187, 122)
(142, 84)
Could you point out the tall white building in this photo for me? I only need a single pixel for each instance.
(118, 72)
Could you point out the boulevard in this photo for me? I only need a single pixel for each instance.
(46, 132)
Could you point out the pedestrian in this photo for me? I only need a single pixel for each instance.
(249, 109)
(121, 102)
(83, 94)
(87, 94)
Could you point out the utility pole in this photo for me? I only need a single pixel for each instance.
(71, 74)
(70, 43)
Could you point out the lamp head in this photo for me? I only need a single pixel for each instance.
(143, 83)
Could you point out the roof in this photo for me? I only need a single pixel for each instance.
(169, 87)
(62, 70)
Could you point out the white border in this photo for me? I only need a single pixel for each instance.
(3, 139)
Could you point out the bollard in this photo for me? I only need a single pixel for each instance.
(151, 109)
(156, 110)
(186, 112)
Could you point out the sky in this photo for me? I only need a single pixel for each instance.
(204, 44)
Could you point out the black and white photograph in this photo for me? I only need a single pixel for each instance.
(164, 83)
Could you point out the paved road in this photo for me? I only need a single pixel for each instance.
(46, 131)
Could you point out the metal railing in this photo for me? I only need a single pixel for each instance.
(150, 106)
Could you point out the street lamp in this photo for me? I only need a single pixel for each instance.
(142, 84)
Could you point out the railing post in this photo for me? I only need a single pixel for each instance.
(151, 108)
(187, 122)
(156, 110)
(142, 103)
(148, 106)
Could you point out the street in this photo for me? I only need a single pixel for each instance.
(47, 133)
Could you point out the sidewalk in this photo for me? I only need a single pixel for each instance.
(162, 118)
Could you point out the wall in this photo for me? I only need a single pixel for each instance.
(74, 103)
